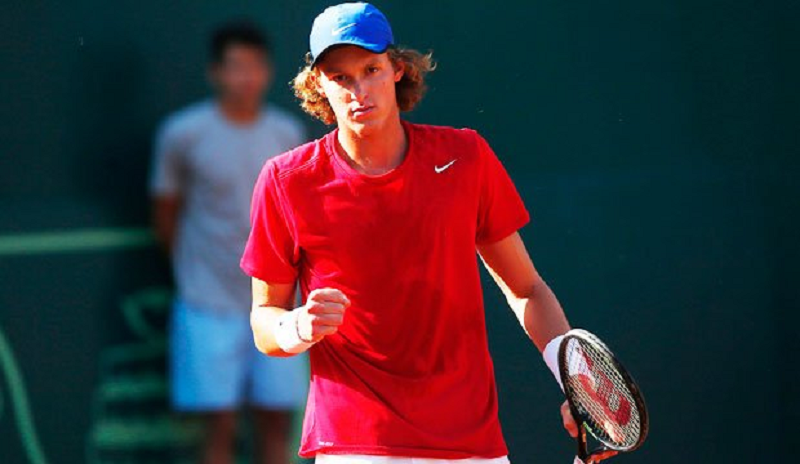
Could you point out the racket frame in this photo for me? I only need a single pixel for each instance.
(589, 338)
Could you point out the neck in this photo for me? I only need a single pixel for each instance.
(377, 152)
(239, 113)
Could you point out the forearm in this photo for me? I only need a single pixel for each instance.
(165, 220)
(541, 315)
(165, 235)
(531, 299)
(262, 321)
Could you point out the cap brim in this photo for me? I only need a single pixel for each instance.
(374, 48)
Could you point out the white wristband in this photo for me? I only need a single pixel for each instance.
(550, 355)
(286, 334)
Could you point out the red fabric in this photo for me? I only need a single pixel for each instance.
(409, 372)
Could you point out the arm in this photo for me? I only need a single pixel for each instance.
(534, 304)
(166, 209)
(270, 301)
(273, 320)
(167, 182)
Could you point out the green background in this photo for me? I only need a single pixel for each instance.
(655, 143)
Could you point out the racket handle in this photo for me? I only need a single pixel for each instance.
(581, 439)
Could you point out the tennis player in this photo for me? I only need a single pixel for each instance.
(379, 222)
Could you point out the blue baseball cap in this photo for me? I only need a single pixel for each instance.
(359, 24)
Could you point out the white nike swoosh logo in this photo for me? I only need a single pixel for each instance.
(342, 29)
(439, 169)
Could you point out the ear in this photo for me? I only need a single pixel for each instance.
(316, 81)
(399, 70)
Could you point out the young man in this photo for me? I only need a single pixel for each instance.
(207, 159)
(379, 223)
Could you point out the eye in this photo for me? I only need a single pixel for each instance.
(339, 78)
(373, 69)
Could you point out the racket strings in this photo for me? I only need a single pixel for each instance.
(601, 395)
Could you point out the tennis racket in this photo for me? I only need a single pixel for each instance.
(603, 397)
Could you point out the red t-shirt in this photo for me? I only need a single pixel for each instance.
(408, 373)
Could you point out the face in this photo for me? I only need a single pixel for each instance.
(243, 76)
(360, 86)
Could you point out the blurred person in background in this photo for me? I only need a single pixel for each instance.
(207, 158)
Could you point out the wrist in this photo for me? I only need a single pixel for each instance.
(287, 334)
(550, 355)
(296, 319)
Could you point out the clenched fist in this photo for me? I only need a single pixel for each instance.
(322, 314)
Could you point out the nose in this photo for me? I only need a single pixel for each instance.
(358, 91)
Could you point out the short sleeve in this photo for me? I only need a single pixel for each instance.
(501, 211)
(168, 170)
(271, 253)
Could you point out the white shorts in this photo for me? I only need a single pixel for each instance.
(362, 459)
(215, 366)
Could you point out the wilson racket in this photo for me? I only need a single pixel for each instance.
(603, 397)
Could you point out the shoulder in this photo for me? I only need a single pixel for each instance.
(187, 122)
(284, 120)
(426, 133)
(283, 116)
(442, 143)
(298, 166)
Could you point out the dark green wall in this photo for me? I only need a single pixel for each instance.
(655, 144)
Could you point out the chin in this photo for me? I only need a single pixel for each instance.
(364, 128)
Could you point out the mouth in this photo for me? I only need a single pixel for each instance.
(361, 112)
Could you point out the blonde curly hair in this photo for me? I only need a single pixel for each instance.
(409, 89)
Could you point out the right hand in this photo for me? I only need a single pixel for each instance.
(322, 314)
(569, 422)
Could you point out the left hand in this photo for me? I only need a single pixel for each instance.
(572, 429)
(568, 420)
(597, 457)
